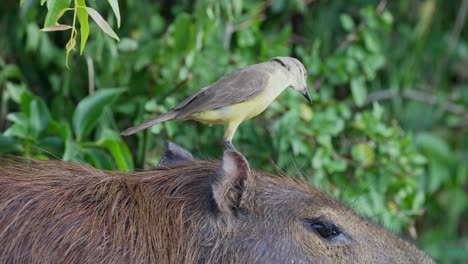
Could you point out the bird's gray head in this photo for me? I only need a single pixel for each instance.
(297, 72)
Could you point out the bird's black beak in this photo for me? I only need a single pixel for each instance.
(307, 95)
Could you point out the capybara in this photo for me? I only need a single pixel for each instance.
(183, 211)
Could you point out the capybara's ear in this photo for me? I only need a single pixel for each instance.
(233, 179)
(174, 155)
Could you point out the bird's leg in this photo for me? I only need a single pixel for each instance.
(229, 134)
(228, 145)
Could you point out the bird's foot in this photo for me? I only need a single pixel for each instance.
(228, 145)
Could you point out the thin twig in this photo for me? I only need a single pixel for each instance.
(90, 65)
(381, 6)
(457, 27)
(418, 95)
(454, 35)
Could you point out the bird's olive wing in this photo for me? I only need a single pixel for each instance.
(231, 89)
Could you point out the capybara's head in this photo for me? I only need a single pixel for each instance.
(184, 211)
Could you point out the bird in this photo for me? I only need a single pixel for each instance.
(238, 96)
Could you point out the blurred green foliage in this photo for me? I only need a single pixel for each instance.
(387, 131)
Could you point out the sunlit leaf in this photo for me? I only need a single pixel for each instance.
(55, 7)
(118, 149)
(102, 23)
(82, 14)
(364, 154)
(61, 12)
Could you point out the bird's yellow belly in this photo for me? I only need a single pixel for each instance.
(238, 112)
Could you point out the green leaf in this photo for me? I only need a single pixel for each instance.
(337, 166)
(127, 45)
(371, 41)
(18, 118)
(377, 110)
(434, 147)
(375, 61)
(10, 71)
(15, 91)
(102, 23)
(52, 145)
(25, 102)
(21, 2)
(246, 38)
(387, 17)
(55, 8)
(347, 22)
(278, 5)
(99, 158)
(82, 14)
(34, 37)
(90, 109)
(18, 130)
(62, 129)
(57, 27)
(359, 91)
(72, 149)
(39, 116)
(182, 33)
(439, 172)
(119, 151)
(115, 7)
(9, 145)
(364, 154)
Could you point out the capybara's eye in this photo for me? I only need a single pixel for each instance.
(325, 229)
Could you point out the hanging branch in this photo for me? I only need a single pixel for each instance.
(423, 96)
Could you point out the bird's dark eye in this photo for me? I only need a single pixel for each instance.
(325, 229)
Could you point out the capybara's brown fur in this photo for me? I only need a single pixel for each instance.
(191, 212)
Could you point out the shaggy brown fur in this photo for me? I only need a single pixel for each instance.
(58, 212)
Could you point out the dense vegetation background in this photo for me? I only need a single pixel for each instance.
(387, 130)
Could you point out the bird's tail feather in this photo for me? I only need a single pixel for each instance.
(154, 121)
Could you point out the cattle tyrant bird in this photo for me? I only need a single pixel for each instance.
(238, 96)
